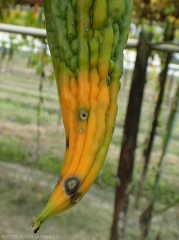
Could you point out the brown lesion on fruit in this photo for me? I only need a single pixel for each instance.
(59, 180)
(108, 80)
(83, 114)
(67, 142)
(81, 130)
(116, 10)
(71, 185)
(113, 130)
(35, 225)
(36, 230)
(74, 199)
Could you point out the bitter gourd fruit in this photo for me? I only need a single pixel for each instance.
(86, 40)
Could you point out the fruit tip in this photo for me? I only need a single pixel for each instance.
(36, 225)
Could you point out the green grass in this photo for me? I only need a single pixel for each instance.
(49, 163)
(168, 186)
(12, 149)
(26, 114)
(106, 176)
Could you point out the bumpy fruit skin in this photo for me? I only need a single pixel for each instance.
(86, 40)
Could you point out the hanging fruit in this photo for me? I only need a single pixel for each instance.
(86, 40)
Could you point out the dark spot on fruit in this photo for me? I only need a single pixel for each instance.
(59, 180)
(71, 185)
(83, 114)
(36, 230)
(75, 198)
(67, 142)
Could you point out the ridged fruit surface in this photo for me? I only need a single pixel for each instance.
(86, 40)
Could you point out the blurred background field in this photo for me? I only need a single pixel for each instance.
(32, 143)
